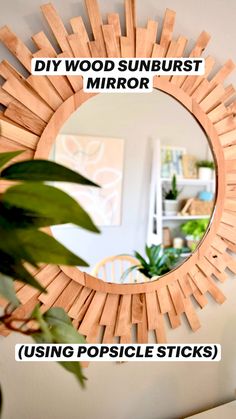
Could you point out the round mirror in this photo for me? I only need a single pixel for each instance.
(156, 173)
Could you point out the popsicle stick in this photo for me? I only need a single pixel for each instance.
(160, 329)
(128, 42)
(57, 26)
(137, 308)
(225, 125)
(68, 295)
(218, 113)
(93, 313)
(142, 327)
(164, 300)
(176, 297)
(141, 42)
(152, 310)
(60, 83)
(192, 82)
(123, 321)
(78, 46)
(76, 82)
(167, 29)
(191, 315)
(185, 285)
(199, 47)
(25, 96)
(96, 24)
(151, 37)
(110, 41)
(199, 280)
(212, 99)
(45, 90)
(218, 296)
(18, 135)
(78, 28)
(45, 277)
(79, 302)
(110, 310)
(16, 47)
(114, 20)
(19, 114)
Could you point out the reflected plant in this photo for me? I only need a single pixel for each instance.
(173, 192)
(156, 262)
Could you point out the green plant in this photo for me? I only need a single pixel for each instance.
(25, 208)
(158, 261)
(172, 193)
(195, 228)
(205, 163)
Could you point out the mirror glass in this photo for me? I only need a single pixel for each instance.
(156, 172)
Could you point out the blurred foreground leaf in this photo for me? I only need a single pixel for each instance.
(6, 157)
(56, 327)
(48, 201)
(8, 291)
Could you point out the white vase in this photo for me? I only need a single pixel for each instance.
(171, 207)
(205, 173)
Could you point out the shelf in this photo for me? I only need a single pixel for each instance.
(183, 217)
(190, 182)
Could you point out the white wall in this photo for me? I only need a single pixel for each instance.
(143, 391)
(138, 119)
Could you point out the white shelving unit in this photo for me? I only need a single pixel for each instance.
(190, 182)
(156, 217)
(182, 217)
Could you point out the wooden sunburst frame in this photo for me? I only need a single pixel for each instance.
(35, 108)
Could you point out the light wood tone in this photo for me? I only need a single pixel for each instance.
(60, 83)
(57, 26)
(96, 24)
(199, 47)
(16, 46)
(19, 91)
(35, 109)
(110, 41)
(124, 261)
(18, 135)
(123, 321)
(167, 29)
(78, 46)
(127, 42)
(93, 313)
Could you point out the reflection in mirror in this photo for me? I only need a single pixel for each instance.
(156, 172)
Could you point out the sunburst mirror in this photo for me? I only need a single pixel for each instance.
(35, 108)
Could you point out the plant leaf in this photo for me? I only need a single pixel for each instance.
(75, 368)
(128, 270)
(65, 333)
(14, 268)
(43, 171)
(50, 202)
(7, 290)
(6, 157)
(141, 259)
(40, 247)
(56, 315)
(13, 217)
(44, 335)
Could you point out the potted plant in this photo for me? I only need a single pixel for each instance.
(194, 231)
(205, 169)
(156, 262)
(170, 198)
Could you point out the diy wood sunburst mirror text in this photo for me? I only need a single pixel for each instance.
(34, 110)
